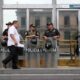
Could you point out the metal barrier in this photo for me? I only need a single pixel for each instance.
(40, 58)
(34, 58)
(71, 44)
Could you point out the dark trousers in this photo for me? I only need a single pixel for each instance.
(13, 56)
(77, 51)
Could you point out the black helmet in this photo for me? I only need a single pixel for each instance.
(48, 44)
(34, 40)
(4, 43)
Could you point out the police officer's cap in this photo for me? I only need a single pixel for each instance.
(49, 24)
(9, 23)
(32, 26)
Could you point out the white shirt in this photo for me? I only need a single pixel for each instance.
(13, 30)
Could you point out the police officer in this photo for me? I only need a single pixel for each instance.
(77, 46)
(51, 36)
(5, 35)
(32, 43)
(32, 36)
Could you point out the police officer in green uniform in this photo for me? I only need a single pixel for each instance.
(51, 36)
(32, 43)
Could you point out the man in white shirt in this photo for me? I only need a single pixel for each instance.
(13, 42)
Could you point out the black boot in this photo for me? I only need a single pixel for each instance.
(4, 64)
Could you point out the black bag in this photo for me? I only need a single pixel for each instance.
(48, 44)
(34, 40)
(21, 50)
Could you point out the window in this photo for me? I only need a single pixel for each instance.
(66, 21)
(48, 19)
(23, 21)
(67, 35)
(37, 21)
